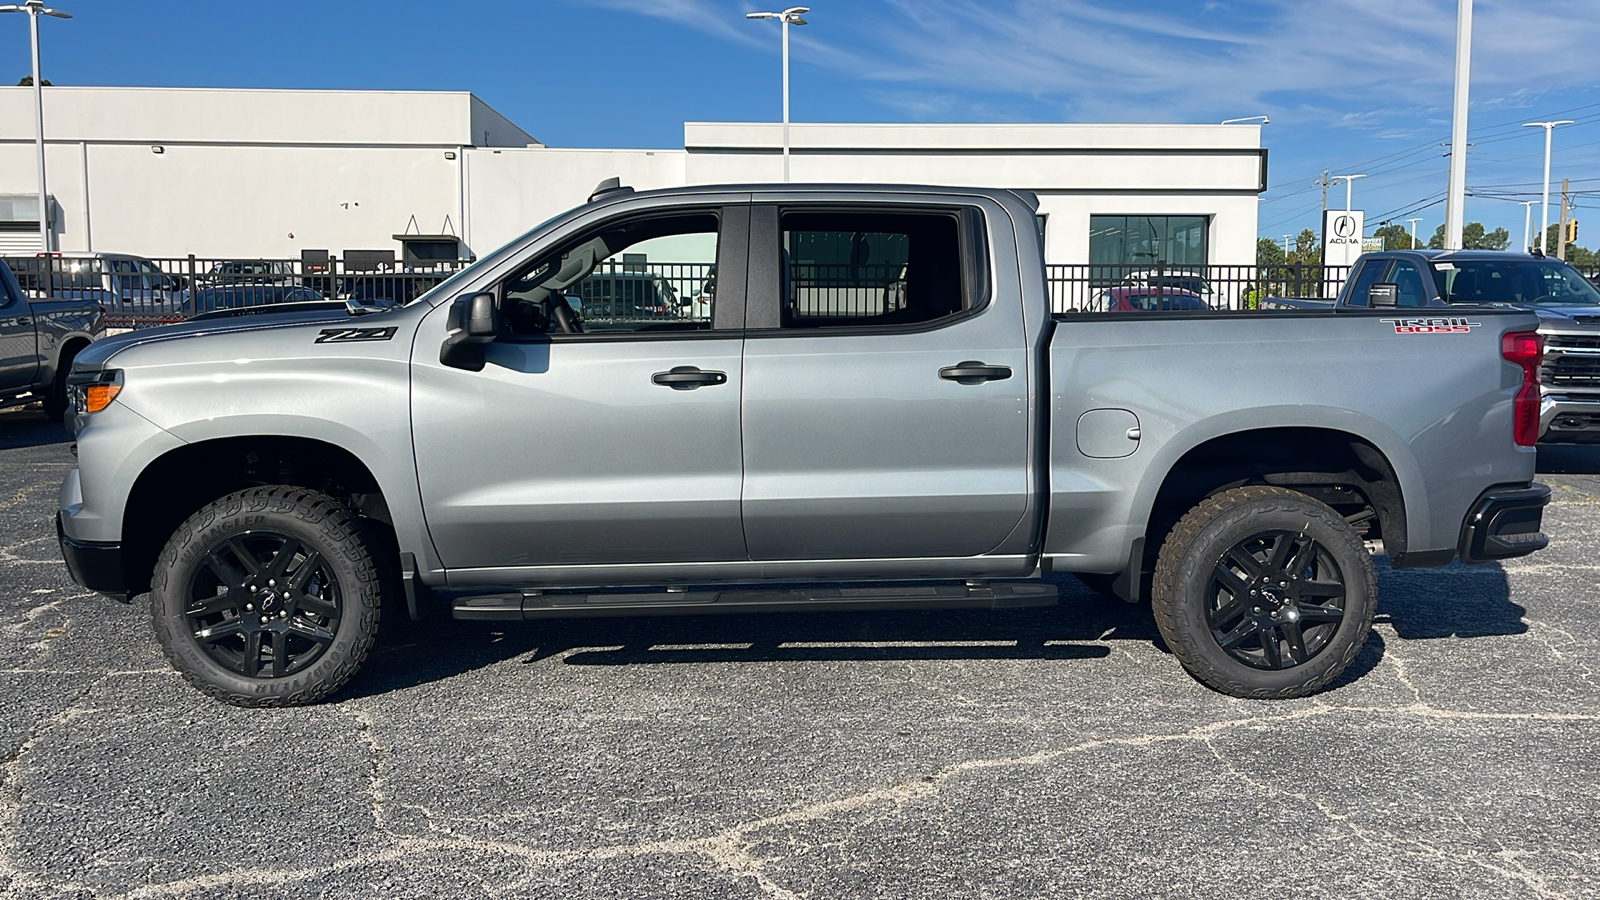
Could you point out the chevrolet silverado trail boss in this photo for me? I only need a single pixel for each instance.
(38, 340)
(876, 409)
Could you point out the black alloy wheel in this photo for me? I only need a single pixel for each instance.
(264, 604)
(269, 596)
(1263, 592)
(1276, 599)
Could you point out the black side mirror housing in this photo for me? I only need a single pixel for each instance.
(472, 322)
(1383, 296)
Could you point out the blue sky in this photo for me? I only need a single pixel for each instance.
(1352, 85)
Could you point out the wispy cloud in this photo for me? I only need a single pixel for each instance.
(1178, 60)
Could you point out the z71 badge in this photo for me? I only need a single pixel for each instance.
(1431, 326)
(346, 335)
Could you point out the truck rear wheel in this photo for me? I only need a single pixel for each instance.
(1263, 592)
(267, 597)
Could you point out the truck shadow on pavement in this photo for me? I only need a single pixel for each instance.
(1455, 602)
(26, 427)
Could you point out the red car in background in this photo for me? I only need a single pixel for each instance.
(1146, 299)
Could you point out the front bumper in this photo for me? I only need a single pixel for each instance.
(97, 566)
(1504, 523)
(1569, 419)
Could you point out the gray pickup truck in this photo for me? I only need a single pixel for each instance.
(1423, 284)
(875, 408)
(38, 340)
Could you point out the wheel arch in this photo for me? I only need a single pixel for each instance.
(1340, 467)
(184, 479)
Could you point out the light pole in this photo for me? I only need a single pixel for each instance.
(1286, 246)
(1544, 206)
(35, 9)
(1348, 181)
(1456, 191)
(1414, 232)
(1527, 225)
(790, 16)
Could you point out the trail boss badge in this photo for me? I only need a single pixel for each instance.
(1431, 326)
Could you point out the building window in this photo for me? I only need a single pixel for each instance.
(1149, 240)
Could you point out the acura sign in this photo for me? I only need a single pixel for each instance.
(1341, 236)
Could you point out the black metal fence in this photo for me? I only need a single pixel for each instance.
(138, 291)
(1131, 288)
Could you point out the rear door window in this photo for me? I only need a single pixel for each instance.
(1408, 281)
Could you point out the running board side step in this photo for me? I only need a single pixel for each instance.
(533, 604)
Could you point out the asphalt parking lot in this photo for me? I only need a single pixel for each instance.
(1035, 753)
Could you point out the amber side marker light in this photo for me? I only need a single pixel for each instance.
(99, 396)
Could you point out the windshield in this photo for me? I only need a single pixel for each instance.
(1523, 282)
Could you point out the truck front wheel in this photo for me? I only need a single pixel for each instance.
(267, 597)
(1264, 593)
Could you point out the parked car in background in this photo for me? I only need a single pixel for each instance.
(122, 283)
(39, 338)
(623, 295)
(238, 296)
(250, 271)
(1422, 286)
(1146, 299)
(1192, 282)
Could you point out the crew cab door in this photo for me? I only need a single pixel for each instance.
(19, 339)
(886, 385)
(614, 444)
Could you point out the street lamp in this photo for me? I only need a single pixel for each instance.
(790, 16)
(1264, 120)
(35, 9)
(1527, 224)
(1348, 181)
(1544, 207)
(1413, 232)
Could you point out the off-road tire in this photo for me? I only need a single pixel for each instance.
(320, 524)
(1183, 596)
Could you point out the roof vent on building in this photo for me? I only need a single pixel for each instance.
(612, 185)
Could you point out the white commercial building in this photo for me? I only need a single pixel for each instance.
(165, 172)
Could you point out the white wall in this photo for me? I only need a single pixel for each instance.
(269, 173)
(511, 191)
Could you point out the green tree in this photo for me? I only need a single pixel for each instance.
(1474, 237)
(1307, 249)
(1395, 237)
(1269, 253)
(1576, 255)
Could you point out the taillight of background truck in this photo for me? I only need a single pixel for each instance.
(1526, 349)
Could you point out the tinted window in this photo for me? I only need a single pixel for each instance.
(1148, 240)
(870, 268)
(1524, 282)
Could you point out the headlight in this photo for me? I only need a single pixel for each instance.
(94, 391)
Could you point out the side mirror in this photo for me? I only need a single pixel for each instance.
(473, 321)
(1383, 296)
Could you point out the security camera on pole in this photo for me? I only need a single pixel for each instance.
(1342, 229)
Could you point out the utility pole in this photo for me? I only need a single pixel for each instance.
(1324, 180)
(1561, 229)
